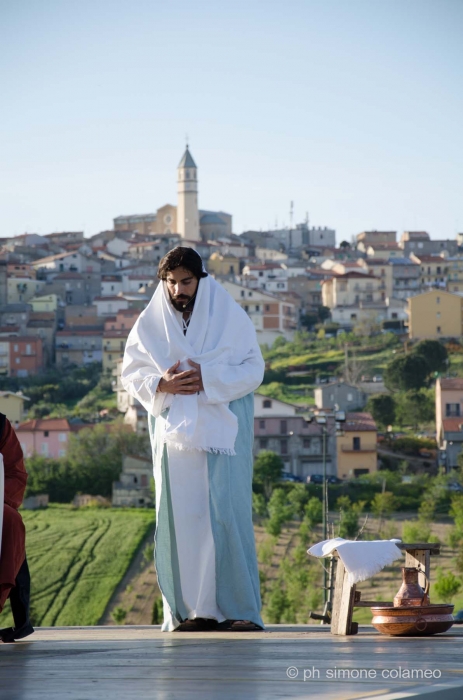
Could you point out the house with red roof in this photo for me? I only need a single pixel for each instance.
(48, 437)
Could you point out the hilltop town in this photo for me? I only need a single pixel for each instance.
(68, 301)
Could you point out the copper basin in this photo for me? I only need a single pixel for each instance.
(412, 621)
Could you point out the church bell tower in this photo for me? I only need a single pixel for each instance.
(187, 205)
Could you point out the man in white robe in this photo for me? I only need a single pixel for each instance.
(192, 360)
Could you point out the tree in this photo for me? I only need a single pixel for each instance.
(95, 455)
(324, 313)
(405, 373)
(267, 470)
(415, 407)
(382, 505)
(345, 245)
(119, 614)
(280, 511)
(309, 320)
(298, 497)
(314, 511)
(349, 512)
(434, 353)
(382, 408)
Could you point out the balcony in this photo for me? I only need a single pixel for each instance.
(358, 450)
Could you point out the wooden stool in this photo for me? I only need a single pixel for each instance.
(346, 597)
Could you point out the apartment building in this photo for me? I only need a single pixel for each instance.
(270, 315)
(433, 270)
(435, 314)
(356, 446)
(25, 356)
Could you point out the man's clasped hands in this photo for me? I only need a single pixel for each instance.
(187, 382)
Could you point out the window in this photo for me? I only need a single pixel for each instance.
(306, 443)
(257, 307)
(46, 433)
(437, 300)
(263, 443)
(267, 307)
(267, 403)
(62, 453)
(261, 424)
(438, 314)
(438, 329)
(242, 292)
(284, 447)
(45, 449)
(350, 397)
(283, 427)
(62, 437)
(452, 410)
(15, 348)
(356, 443)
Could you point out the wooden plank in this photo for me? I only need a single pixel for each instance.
(419, 559)
(347, 607)
(337, 596)
(432, 547)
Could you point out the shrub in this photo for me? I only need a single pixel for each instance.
(414, 531)
(447, 585)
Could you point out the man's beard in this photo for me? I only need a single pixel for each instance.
(181, 302)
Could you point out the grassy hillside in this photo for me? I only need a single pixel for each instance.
(77, 557)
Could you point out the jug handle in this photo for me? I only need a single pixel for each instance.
(426, 588)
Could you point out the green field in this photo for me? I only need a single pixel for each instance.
(77, 557)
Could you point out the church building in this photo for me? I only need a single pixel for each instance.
(185, 218)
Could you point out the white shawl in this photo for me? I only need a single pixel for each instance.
(2, 498)
(362, 559)
(220, 337)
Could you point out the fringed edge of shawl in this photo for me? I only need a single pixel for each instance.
(190, 448)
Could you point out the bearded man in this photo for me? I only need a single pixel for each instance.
(193, 361)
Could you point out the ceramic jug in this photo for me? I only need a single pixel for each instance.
(410, 592)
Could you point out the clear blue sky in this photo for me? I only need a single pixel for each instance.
(351, 108)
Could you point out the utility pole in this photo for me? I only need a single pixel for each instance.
(291, 211)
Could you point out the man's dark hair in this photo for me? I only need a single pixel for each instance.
(182, 257)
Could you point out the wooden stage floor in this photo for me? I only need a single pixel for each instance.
(300, 661)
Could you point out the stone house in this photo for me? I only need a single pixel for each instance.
(134, 485)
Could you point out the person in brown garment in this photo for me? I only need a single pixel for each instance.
(14, 571)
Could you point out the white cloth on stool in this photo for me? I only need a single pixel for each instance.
(361, 560)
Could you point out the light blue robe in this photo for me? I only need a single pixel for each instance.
(230, 499)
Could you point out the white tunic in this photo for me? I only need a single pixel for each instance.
(189, 486)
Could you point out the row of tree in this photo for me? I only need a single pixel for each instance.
(92, 463)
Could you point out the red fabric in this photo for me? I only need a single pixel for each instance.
(14, 534)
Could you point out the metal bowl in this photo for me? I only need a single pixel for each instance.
(414, 621)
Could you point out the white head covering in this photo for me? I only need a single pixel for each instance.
(220, 332)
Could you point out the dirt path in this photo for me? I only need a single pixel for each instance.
(137, 590)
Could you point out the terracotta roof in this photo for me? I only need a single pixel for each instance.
(451, 383)
(121, 333)
(79, 331)
(127, 312)
(359, 275)
(452, 425)
(359, 422)
(45, 424)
